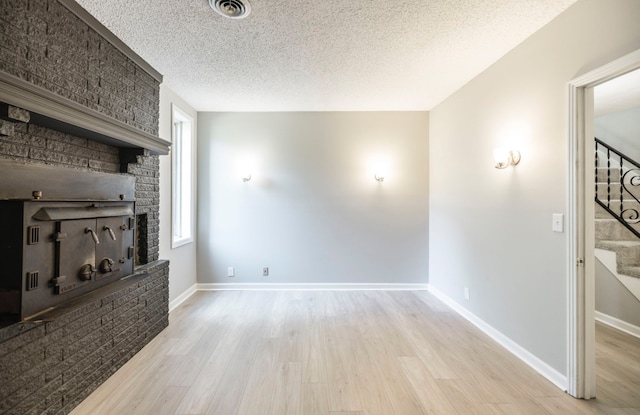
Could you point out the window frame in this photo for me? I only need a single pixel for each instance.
(182, 178)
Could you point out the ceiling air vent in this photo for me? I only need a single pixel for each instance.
(233, 9)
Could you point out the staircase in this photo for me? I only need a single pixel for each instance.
(617, 215)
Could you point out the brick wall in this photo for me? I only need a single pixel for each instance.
(42, 42)
(146, 169)
(30, 143)
(50, 367)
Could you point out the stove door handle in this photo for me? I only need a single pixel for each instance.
(111, 234)
(93, 235)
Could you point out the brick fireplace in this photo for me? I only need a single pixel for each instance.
(74, 97)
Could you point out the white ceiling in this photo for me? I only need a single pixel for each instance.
(315, 55)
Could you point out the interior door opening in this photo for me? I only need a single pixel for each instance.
(581, 370)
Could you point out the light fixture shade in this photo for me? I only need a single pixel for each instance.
(505, 158)
(379, 167)
(245, 167)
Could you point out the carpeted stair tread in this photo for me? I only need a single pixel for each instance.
(612, 245)
(630, 271)
(611, 235)
(611, 229)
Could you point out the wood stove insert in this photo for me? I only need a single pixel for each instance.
(53, 250)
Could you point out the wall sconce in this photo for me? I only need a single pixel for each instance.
(505, 158)
(379, 167)
(244, 166)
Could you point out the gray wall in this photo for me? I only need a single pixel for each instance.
(490, 230)
(313, 212)
(183, 258)
(621, 130)
(613, 299)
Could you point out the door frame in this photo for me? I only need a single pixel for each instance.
(581, 361)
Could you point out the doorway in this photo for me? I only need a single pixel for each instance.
(581, 368)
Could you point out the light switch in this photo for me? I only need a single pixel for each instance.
(558, 222)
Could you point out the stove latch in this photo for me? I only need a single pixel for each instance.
(93, 235)
(110, 231)
(106, 264)
(86, 272)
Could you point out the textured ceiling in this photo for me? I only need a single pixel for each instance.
(331, 55)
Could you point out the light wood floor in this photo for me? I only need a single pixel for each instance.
(345, 353)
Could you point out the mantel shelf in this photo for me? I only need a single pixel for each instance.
(61, 114)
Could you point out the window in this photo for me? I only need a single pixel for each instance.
(182, 178)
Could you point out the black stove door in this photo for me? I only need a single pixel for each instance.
(109, 257)
(76, 254)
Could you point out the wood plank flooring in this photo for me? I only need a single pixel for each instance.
(345, 353)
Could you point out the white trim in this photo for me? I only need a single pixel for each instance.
(618, 324)
(520, 352)
(587, 190)
(178, 114)
(575, 344)
(183, 297)
(605, 73)
(580, 285)
(310, 287)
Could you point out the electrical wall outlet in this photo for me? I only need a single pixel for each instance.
(231, 272)
(265, 271)
(466, 293)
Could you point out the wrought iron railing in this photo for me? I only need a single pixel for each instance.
(622, 189)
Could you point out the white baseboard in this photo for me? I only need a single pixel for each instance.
(309, 287)
(618, 324)
(290, 287)
(523, 354)
(182, 297)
